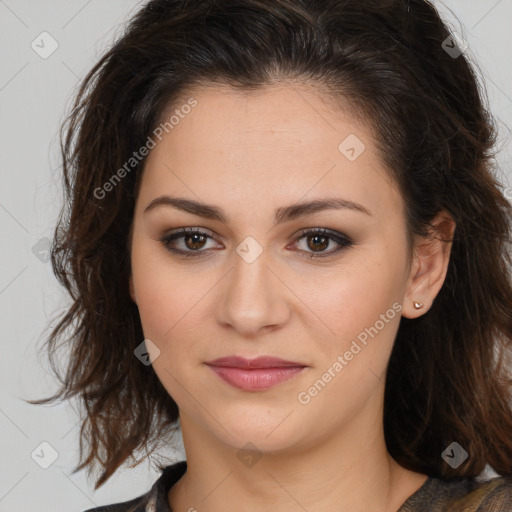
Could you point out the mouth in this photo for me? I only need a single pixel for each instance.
(255, 374)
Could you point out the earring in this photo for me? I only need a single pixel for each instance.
(418, 305)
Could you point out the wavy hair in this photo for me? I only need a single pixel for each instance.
(447, 377)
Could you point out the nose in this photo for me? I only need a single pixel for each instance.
(253, 298)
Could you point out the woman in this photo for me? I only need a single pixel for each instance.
(284, 231)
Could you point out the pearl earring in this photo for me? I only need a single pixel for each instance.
(418, 305)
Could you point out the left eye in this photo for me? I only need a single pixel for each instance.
(195, 239)
(320, 238)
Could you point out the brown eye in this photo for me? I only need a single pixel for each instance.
(317, 242)
(192, 240)
(319, 239)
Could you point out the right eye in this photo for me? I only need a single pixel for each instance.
(192, 238)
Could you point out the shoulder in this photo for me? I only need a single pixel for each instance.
(461, 495)
(134, 505)
(494, 495)
(155, 499)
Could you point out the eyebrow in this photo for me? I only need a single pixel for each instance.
(282, 214)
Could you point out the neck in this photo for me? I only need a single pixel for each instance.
(348, 470)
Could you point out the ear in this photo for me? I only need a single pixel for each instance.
(429, 266)
(132, 290)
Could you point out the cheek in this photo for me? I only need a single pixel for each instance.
(160, 295)
(356, 294)
(358, 309)
(165, 305)
(361, 306)
(171, 299)
(349, 299)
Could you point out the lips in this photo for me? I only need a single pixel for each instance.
(256, 374)
(258, 362)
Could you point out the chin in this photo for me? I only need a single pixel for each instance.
(266, 432)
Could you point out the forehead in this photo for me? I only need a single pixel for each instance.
(278, 115)
(285, 137)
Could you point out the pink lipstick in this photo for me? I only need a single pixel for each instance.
(254, 374)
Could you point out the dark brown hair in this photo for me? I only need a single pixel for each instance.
(447, 376)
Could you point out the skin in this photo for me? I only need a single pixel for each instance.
(250, 154)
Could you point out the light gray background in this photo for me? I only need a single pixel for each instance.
(34, 96)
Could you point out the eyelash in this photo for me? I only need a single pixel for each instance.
(343, 240)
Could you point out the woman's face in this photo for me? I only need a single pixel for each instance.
(255, 285)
